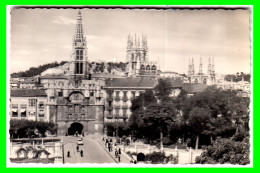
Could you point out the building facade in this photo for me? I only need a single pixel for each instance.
(119, 94)
(30, 104)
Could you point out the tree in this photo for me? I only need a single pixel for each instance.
(198, 119)
(143, 100)
(160, 116)
(163, 89)
(226, 151)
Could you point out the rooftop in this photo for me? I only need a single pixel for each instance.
(138, 82)
(28, 93)
(194, 87)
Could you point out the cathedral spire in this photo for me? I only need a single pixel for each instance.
(192, 66)
(209, 67)
(213, 67)
(200, 69)
(78, 63)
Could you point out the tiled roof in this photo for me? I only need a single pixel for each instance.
(139, 82)
(175, 82)
(194, 87)
(28, 93)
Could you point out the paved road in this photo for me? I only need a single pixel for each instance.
(92, 151)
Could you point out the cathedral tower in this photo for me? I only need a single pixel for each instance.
(78, 62)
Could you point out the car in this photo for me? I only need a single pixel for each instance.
(80, 143)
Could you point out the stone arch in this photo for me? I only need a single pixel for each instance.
(140, 157)
(75, 128)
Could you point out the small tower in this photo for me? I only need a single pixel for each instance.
(78, 62)
(192, 67)
(213, 77)
(189, 69)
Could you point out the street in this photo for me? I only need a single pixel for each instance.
(92, 151)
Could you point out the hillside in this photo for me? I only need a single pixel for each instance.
(63, 68)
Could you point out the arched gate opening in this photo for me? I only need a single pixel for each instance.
(75, 128)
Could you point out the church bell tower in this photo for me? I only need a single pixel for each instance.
(78, 62)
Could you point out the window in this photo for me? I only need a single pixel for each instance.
(117, 112)
(41, 113)
(32, 102)
(69, 116)
(60, 94)
(41, 105)
(110, 103)
(14, 110)
(91, 93)
(133, 94)
(23, 112)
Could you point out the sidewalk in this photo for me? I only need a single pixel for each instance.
(123, 159)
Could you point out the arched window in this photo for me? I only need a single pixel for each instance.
(77, 54)
(154, 67)
(147, 67)
(205, 81)
(196, 80)
(142, 67)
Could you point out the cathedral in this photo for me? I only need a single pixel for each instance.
(137, 58)
(200, 77)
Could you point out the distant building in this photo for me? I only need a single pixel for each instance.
(200, 77)
(137, 58)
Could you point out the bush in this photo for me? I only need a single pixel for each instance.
(159, 157)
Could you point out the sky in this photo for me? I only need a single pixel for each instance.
(40, 36)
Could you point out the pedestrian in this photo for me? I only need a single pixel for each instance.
(77, 148)
(118, 158)
(81, 153)
(115, 146)
(119, 150)
(68, 154)
(116, 153)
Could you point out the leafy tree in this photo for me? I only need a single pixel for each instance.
(163, 89)
(198, 119)
(159, 116)
(143, 100)
(226, 151)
